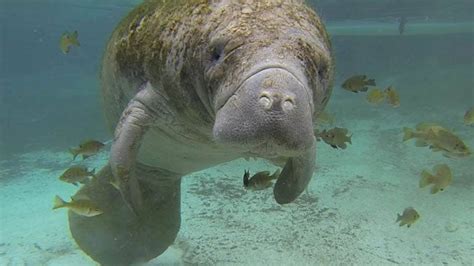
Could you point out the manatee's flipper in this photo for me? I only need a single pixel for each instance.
(135, 121)
(295, 176)
(117, 236)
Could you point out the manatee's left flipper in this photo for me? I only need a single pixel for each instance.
(134, 123)
(295, 176)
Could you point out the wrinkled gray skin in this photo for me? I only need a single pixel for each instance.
(188, 85)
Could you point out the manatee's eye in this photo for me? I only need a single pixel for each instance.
(216, 50)
(216, 54)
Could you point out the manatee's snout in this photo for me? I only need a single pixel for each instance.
(270, 114)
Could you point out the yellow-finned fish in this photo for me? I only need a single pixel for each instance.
(375, 96)
(437, 138)
(408, 217)
(260, 180)
(358, 83)
(67, 40)
(441, 178)
(392, 96)
(77, 174)
(335, 137)
(87, 149)
(82, 206)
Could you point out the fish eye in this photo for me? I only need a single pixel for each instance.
(441, 189)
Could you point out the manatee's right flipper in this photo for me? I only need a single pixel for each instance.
(117, 236)
(142, 112)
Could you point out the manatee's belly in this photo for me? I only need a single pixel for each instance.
(182, 155)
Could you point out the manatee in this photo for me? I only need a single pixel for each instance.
(187, 85)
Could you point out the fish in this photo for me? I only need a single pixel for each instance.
(67, 40)
(402, 24)
(325, 118)
(450, 145)
(392, 97)
(408, 217)
(87, 149)
(260, 180)
(358, 83)
(375, 96)
(335, 137)
(469, 117)
(77, 174)
(437, 138)
(441, 178)
(82, 206)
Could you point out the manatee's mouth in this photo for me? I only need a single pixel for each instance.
(270, 150)
(252, 74)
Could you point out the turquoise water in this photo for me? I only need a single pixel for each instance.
(50, 102)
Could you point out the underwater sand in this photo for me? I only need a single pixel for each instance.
(347, 216)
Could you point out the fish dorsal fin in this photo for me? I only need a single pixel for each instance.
(266, 173)
(427, 125)
(80, 197)
(342, 130)
(442, 170)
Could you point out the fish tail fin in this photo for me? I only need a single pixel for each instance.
(58, 203)
(435, 189)
(115, 184)
(371, 82)
(425, 179)
(276, 174)
(246, 178)
(74, 36)
(74, 153)
(399, 218)
(407, 133)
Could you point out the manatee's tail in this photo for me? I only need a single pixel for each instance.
(407, 134)
(74, 153)
(58, 203)
(426, 178)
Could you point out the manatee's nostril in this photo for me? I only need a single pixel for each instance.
(288, 104)
(265, 101)
(276, 100)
